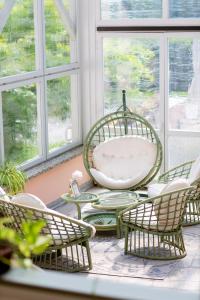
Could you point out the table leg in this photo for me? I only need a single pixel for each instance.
(78, 210)
(118, 227)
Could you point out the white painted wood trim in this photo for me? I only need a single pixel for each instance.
(5, 12)
(66, 18)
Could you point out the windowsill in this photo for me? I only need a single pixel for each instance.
(64, 285)
(52, 162)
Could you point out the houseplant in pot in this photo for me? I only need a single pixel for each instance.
(17, 248)
(12, 180)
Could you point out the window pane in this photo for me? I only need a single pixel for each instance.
(20, 124)
(183, 149)
(59, 112)
(184, 84)
(2, 3)
(184, 9)
(132, 64)
(17, 48)
(131, 9)
(57, 36)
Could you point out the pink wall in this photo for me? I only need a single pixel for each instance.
(51, 184)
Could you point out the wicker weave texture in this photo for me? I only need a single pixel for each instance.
(192, 214)
(118, 124)
(69, 250)
(153, 226)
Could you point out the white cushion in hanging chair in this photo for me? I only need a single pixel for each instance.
(123, 162)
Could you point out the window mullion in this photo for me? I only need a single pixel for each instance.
(162, 97)
(1, 133)
(166, 106)
(165, 9)
(41, 88)
(75, 109)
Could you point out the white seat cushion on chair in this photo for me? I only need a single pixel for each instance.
(122, 162)
(3, 195)
(155, 189)
(30, 200)
(195, 171)
(61, 235)
(168, 211)
(33, 201)
(176, 184)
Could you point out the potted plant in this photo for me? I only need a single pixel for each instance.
(12, 180)
(16, 248)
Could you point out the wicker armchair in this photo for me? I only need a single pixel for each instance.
(122, 151)
(69, 250)
(192, 213)
(153, 226)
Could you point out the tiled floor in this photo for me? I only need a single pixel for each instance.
(185, 278)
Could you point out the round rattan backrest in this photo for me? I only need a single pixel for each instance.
(118, 124)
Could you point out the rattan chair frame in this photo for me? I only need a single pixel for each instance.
(156, 236)
(192, 213)
(69, 250)
(121, 123)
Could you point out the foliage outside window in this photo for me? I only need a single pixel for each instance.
(32, 50)
(149, 9)
(159, 70)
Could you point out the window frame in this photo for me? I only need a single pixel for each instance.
(40, 75)
(164, 21)
(165, 131)
(94, 79)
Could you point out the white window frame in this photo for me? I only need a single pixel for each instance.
(165, 132)
(164, 21)
(92, 62)
(39, 76)
(100, 83)
(174, 132)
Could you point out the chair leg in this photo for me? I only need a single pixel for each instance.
(154, 245)
(86, 244)
(126, 239)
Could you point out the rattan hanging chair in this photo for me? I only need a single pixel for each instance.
(141, 151)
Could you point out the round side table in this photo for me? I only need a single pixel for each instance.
(81, 199)
(111, 203)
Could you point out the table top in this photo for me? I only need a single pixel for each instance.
(113, 200)
(82, 198)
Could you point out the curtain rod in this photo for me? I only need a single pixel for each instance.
(148, 28)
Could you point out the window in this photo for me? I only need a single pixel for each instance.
(17, 40)
(58, 48)
(62, 121)
(149, 9)
(159, 68)
(132, 63)
(128, 9)
(184, 9)
(39, 80)
(20, 118)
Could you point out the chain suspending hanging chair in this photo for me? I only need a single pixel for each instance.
(122, 150)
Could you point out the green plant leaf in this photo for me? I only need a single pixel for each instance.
(41, 244)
